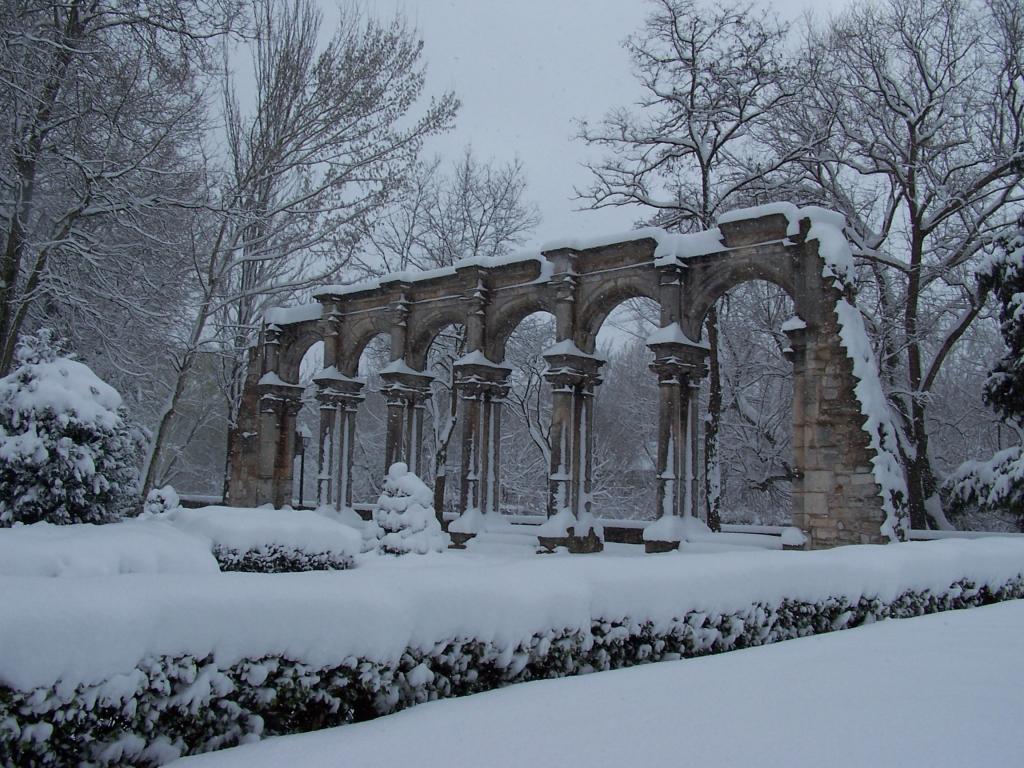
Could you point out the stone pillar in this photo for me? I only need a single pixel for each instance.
(481, 387)
(280, 403)
(405, 390)
(836, 499)
(573, 375)
(693, 508)
(339, 397)
(679, 364)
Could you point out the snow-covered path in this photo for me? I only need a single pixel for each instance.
(941, 690)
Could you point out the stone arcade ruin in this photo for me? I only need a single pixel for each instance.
(848, 486)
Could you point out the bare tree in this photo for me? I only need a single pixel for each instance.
(713, 78)
(333, 131)
(474, 211)
(101, 111)
(916, 110)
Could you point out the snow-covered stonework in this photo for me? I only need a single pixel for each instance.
(405, 518)
(143, 668)
(826, 229)
(848, 487)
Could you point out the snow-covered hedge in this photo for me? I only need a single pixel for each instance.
(270, 540)
(152, 668)
(67, 453)
(74, 551)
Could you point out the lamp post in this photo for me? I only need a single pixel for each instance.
(303, 436)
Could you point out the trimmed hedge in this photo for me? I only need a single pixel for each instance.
(276, 558)
(172, 706)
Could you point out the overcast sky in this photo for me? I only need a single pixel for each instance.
(525, 70)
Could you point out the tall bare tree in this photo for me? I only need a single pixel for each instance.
(916, 110)
(333, 130)
(101, 112)
(712, 78)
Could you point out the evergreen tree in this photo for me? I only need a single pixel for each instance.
(67, 454)
(1004, 390)
(995, 488)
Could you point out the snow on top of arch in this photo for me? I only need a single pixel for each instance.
(670, 247)
(416, 276)
(299, 313)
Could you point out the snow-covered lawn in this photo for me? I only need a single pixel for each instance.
(940, 690)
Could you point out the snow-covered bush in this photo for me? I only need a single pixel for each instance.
(160, 500)
(405, 515)
(991, 489)
(67, 454)
(270, 540)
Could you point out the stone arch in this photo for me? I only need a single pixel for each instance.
(713, 281)
(503, 319)
(755, 359)
(596, 307)
(295, 342)
(685, 274)
(356, 335)
(426, 327)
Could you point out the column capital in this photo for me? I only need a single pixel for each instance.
(796, 332)
(334, 388)
(477, 376)
(569, 366)
(277, 394)
(402, 384)
(676, 356)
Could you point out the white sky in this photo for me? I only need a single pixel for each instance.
(525, 70)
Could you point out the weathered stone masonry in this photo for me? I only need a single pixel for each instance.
(836, 499)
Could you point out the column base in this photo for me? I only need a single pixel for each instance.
(657, 547)
(459, 540)
(577, 545)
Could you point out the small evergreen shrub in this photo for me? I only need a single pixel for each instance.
(67, 453)
(405, 518)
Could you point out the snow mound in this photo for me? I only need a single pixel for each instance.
(75, 551)
(242, 529)
(676, 528)
(91, 630)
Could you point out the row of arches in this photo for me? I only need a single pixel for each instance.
(579, 287)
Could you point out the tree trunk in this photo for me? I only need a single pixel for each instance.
(712, 471)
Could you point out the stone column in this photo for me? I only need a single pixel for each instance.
(573, 375)
(405, 390)
(481, 387)
(339, 397)
(679, 365)
(280, 403)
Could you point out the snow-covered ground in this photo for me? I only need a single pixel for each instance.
(941, 690)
